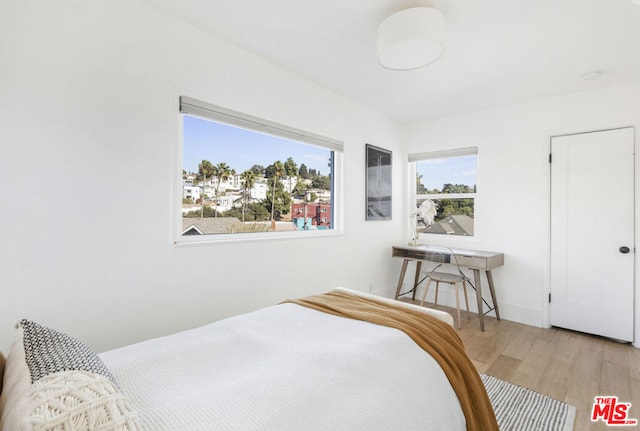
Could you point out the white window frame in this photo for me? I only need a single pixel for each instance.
(414, 196)
(207, 111)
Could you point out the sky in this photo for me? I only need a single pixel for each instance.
(454, 170)
(241, 149)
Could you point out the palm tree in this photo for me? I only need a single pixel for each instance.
(248, 181)
(291, 171)
(278, 171)
(222, 172)
(205, 169)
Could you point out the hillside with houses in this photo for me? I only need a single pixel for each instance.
(279, 197)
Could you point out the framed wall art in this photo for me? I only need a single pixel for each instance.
(378, 183)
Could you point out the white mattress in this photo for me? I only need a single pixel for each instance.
(286, 367)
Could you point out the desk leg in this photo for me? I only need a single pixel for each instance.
(416, 278)
(493, 294)
(476, 278)
(405, 262)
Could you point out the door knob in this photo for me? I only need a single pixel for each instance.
(624, 249)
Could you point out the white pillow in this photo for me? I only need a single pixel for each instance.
(55, 382)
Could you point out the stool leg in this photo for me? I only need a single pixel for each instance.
(455, 286)
(437, 286)
(466, 299)
(424, 295)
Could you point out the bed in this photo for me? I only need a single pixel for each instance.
(343, 360)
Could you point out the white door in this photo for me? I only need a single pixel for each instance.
(592, 233)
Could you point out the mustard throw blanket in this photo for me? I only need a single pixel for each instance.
(434, 336)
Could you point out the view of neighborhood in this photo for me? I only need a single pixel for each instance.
(454, 215)
(450, 182)
(279, 197)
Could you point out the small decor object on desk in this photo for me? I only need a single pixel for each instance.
(425, 213)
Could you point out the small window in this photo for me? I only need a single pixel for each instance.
(445, 192)
(247, 177)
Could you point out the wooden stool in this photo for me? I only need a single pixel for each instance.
(452, 279)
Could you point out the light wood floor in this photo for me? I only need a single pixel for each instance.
(565, 365)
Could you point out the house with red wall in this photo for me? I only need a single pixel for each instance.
(311, 215)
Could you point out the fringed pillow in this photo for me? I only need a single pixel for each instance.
(55, 382)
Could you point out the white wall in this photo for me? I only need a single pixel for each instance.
(512, 208)
(88, 113)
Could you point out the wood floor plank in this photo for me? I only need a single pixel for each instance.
(521, 345)
(584, 381)
(556, 376)
(615, 380)
(616, 353)
(503, 367)
(633, 359)
(530, 371)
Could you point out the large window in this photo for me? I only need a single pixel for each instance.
(245, 177)
(445, 183)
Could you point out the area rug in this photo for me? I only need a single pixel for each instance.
(521, 409)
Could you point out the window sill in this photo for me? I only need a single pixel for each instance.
(252, 237)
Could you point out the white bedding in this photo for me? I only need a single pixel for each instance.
(286, 367)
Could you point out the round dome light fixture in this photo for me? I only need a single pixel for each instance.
(411, 38)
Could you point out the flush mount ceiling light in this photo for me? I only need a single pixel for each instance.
(411, 38)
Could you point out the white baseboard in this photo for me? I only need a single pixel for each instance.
(513, 312)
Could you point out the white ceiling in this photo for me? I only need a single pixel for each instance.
(497, 52)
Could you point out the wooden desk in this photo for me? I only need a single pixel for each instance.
(475, 260)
